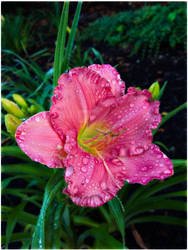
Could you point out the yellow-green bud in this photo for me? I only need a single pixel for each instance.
(12, 108)
(2, 19)
(138, 88)
(20, 100)
(12, 123)
(155, 90)
(32, 109)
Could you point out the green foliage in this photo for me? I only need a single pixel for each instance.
(146, 30)
(62, 54)
(27, 77)
(17, 32)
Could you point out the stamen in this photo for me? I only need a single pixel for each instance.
(107, 169)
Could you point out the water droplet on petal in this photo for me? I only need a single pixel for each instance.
(84, 170)
(144, 169)
(85, 160)
(103, 185)
(37, 119)
(69, 171)
(167, 171)
(59, 146)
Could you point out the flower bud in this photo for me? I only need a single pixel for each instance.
(155, 90)
(12, 123)
(12, 108)
(20, 100)
(32, 109)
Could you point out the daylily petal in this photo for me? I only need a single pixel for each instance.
(39, 141)
(77, 93)
(152, 164)
(112, 76)
(89, 181)
(132, 121)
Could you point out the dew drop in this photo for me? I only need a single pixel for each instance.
(103, 185)
(144, 169)
(167, 171)
(59, 146)
(69, 171)
(131, 105)
(37, 119)
(83, 169)
(85, 160)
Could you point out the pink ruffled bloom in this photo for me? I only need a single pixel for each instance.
(101, 136)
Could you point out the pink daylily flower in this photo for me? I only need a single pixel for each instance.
(101, 136)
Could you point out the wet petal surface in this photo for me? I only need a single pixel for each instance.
(112, 76)
(152, 164)
(39, 141)
(131, 122)
(90, 183)
(75, 96)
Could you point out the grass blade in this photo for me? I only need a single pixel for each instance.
(161, 219)
(151, 205)
(23, 217)
(60, 44)
(17, 237)
(162, 90)
(14, 151)
(71, 38)
(30, 169)
(169, 115)
(118, 215)
(52, 187)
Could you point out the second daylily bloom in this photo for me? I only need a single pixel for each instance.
(101, 136)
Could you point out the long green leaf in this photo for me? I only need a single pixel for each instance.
(106, 239)
(179, 162)
(11, 222)
(14, 151)
(23, 217)
(57, 227)
(158, 187)
(83, 220)
(17, 237)
(52, 187)
(169, 115)
(30, 169)
(164, 204)
(162, 90)
(60, 44)
(71, 38)
(161, 219)
(118, 215)
(153, 185)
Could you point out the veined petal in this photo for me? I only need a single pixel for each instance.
(39, 141)
(75, 96)
(152, 164)
(91, 180)
(132, 120)
(112, 76)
